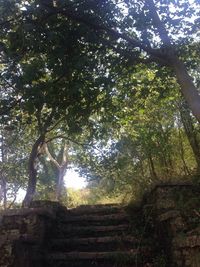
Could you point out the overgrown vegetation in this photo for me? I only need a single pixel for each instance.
(110, 87)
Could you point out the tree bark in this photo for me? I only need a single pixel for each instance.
(190, 132)
(59, 184)
(182, 154)
(61, 167)
(4, 184)
(152, 167)
(32, 172)
(187, 87)
(3, 176)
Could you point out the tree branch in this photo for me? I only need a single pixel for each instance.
(50, 156)
(158, 24)
(133, 58)
(112, 32)
(54, 126)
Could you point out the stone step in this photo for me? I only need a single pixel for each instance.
(108, 243)
(96, 219)
(91, 231)
(134, 258)
(99, 264)
(96, 209)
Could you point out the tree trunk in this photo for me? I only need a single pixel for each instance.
(182, 154)
(59, 184)
(190, 131)
(3, 177)
(164, 163)
(30, 192)
(152, 167)
(187, 87)
(61, 167)
(4, 185)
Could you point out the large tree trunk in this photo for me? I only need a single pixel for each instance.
(30, 192)
(187, 87)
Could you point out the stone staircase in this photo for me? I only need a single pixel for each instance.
(163, 232)
(101, 236)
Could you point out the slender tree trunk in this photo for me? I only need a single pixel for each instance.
(3, 192)
(59, 184)
(61, 167)
(3, 178)
(182, 154)
(32, 172)
(163, 159)
(62, 171)
(4, 185)
(190, 131)
(152, 167)
(141, 167)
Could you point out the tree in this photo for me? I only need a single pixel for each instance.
(64, 61)
(145, 22)
(49, 83)
(145, 143)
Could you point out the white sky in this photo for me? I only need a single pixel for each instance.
(72, 179)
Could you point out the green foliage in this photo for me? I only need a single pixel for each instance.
(76, 197)
(101, 73)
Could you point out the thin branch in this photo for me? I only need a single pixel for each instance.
(15, 197)
(131, 57)
(69, 139)
(197, 213)
(56, 124)
(73, 141)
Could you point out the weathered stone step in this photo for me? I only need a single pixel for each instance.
(96, 209)
(99, 264)
(91, 231)
(96, 219)
(108, 243)
(134, 258)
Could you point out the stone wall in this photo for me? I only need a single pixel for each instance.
(24, 232)
(175, 210)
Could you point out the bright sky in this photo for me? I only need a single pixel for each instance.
(72, 179)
